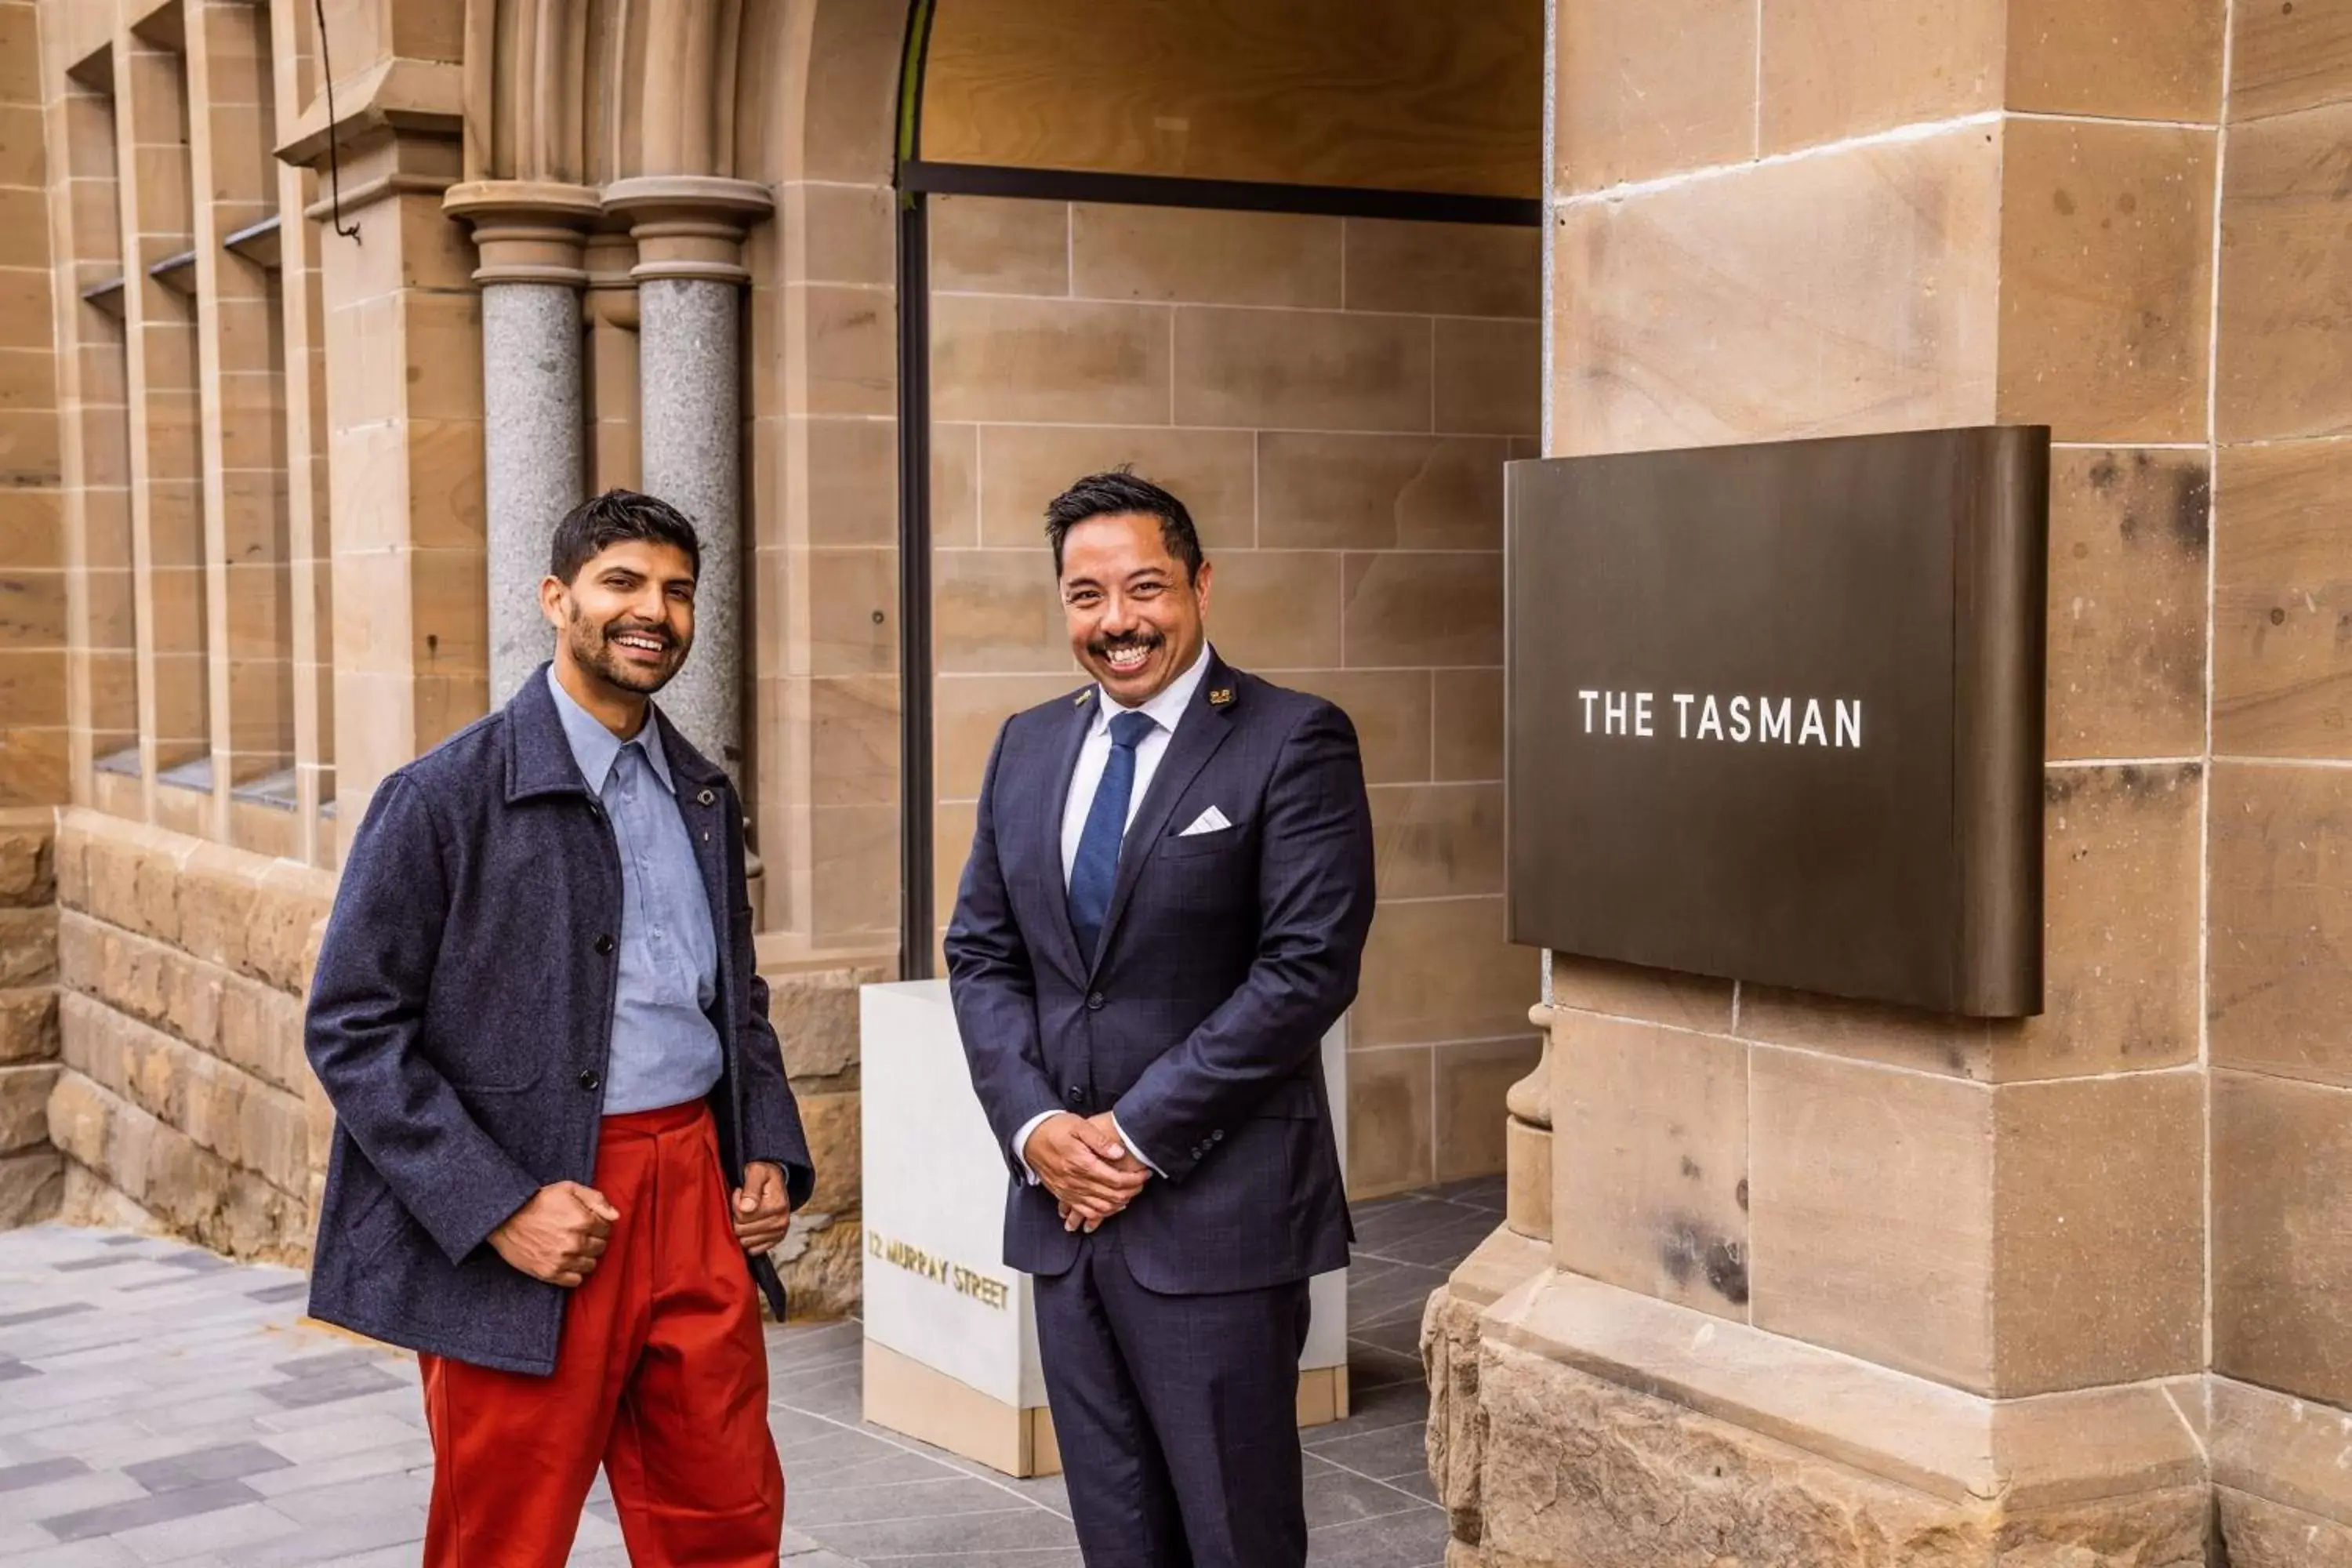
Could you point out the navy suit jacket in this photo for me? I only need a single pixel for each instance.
(1225, 958)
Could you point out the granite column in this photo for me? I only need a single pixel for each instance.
(530, 235)
(690, 277)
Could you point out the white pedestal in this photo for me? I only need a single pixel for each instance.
(950, 1332)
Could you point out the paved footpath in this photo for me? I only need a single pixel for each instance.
(161, 1404)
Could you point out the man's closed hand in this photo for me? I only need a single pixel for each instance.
(558, 1235)
(1083, 1163)
(763, 1210)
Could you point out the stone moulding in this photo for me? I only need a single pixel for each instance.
(1572, 1422)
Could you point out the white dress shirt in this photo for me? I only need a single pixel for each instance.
(1166, 709)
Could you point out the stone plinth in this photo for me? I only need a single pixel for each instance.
(950, 1332)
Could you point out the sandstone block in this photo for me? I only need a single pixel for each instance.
(1582, 1471)
(816, 1017)
(28, 946)
(836, 1144)
(1455, 1438)
(32, 1187)
(821, 1262)
(28, 1025)
(219, 893)
(293, 902)
(80, 950)
(112, 853)
(191, 1191)
(27, 864)
(68, 859)
(90, 1201)
(25, 1106)
(261, 1032)
(2260, 1534)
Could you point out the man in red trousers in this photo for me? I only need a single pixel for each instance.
(564, 1143)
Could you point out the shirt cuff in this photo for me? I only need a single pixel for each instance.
(1134, 1148)
(1021, 1142)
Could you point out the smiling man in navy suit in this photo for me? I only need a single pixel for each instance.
(1164, 910)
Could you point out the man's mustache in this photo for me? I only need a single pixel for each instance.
(1102, 648)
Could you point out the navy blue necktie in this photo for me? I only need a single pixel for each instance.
(1096, 866)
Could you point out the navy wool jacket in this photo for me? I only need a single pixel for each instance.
(1226, 957)
(460, 1021)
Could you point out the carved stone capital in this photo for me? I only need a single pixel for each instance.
(688, 225)
(527, 231)
(1529, 1099)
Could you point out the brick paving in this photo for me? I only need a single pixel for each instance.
(159, 1404)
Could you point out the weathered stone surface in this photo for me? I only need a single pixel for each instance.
(244, 1121)
(2260, 1534)
(261, 1031)
(32, 1187)
(27, 864)
(191, 1191)
(28, 946)
(219, 889)
(25, 1105)
(816, 1016)
(1579, 1470)
(90, 1201)
(289, 916)
(1456, 1437)
(820, 1259)
(28, 1024)
(835, 1145)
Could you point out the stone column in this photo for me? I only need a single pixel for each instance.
(690, 276)
(530, 235)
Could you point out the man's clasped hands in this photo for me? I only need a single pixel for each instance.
(1088, 1167)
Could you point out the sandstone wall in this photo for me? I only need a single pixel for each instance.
(184, 1103)
(32, 1173)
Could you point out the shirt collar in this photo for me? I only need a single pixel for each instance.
(595, 748)
(1167, 705)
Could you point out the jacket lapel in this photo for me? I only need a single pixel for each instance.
(1048, 806)
(1207, 720)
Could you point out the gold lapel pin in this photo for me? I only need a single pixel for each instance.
(1080, 699)
(1220, 696)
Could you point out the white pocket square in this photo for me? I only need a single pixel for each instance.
(1210, 821)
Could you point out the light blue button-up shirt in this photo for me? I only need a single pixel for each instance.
(664, 1051)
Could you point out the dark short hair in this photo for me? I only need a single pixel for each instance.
(1121, 493)
(614, 518)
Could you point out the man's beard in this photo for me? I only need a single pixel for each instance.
(592, 650)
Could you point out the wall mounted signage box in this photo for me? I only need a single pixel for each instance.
(1775, 713)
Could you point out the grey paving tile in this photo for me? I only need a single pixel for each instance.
(1444, 1246)
(829, 1465)
(15, 1371)
(201, 1467)
(293, 1291)
(227, 1534)
(1335, 1495)
(45, 1314)
(324, 1505)
(1412, 1540)
(356, 1531)
(402, 1459)
(321, 1363)
(1010, 1529)
(72, 1495)
(98, 1260)
(1381, 1453)
(1376, 1234)
(335, 1439)
(39, 1472)
(1481, 1191)
(98, 1554)
(1063, 1557)
(135, 1513)
(937, 1497)
(333, 1388)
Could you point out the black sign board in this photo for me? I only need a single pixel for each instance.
(1775, 713)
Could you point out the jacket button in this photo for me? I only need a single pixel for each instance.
(589, 1081)
(604, 946)
(1218, 1136)
(1074, 1095)
(1094, 1003)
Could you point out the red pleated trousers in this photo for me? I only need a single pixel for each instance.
(660, 1377)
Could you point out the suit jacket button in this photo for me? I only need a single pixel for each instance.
(1074, 1095)
(1094, 1003)
(589, 1081)
(1218, 1136)
(604, 946)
